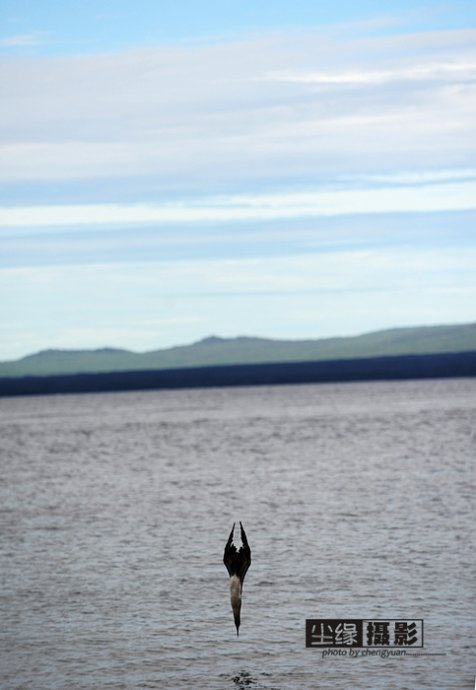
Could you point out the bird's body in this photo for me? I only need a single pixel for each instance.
(237, 562)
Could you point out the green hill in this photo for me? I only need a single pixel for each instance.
(246, 350)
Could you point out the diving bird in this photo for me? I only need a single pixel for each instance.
(237, 562)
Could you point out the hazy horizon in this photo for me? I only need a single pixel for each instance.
(240, 336)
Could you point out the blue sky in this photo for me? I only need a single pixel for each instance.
(288, 170)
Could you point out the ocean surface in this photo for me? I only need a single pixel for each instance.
(358, 501)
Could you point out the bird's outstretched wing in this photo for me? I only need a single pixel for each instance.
(229, 556)
(230, 552)
(245, 553)
(237, 561)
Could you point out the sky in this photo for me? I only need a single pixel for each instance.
(169, 171)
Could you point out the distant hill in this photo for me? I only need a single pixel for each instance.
(215, 351)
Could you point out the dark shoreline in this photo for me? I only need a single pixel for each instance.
(447, 365)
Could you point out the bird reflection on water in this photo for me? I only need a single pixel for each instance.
(244, 680)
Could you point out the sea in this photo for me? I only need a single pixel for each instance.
(357, 499)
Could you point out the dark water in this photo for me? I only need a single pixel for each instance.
(115, 509)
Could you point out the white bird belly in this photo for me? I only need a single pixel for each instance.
(235, 590)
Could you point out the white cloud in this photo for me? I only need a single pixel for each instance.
(420, 177)
(451, 196)
(112, 290)
(276, 108)
(463, 71)
(376, 124)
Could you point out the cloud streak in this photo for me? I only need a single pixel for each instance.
(431, 197)
(462, 72)
(281, 108)
(257, 186)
